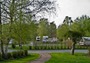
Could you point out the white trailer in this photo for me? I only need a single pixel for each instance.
(85, 41)
(45, 39)
(37, 38)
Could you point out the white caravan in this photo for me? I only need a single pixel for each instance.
(85, 41)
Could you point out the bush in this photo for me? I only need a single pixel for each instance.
(13, 46)
(30, 47)
(26, 52)
(23, 54)
(39, 47)
(33, 47)
(9, 55)
(15, 54)
(19, 54)
(89, 51)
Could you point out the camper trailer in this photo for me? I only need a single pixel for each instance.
(45, 39)
(85, 41)
(37, 38)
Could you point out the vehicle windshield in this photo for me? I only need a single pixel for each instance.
(86, 38)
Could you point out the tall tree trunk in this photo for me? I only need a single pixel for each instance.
(73, 48)
(2, 47)
(20, 43)
(6, 48)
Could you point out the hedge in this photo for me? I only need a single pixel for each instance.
(54, 47)
(15, 55)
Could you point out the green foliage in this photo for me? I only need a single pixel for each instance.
(13, 45)
(54, 47)
(9, 55)
(26, 52)
(77, 29)
(62, 31)
(15, 54)
(26, 59)
(19, 54)
(82, 25)
(75, 36)
(43, 28)
(52, 30)
(89, 51)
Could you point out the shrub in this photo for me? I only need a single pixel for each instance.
(39, 47)
(47, 47)
(26, 52)
(13, 46)
(15, 54)
(22, 53)
(9, 55)
(19, 54)
(33, 47)
(30, 47)
(89, 51)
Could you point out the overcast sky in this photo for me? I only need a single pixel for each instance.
(72, 8)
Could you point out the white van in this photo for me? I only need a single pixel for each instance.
(37, 38)
(85, 41)
(45, 39)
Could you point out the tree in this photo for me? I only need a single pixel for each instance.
(78, 29)
(43, 27)
(62, 32)
(9, 16)
(39, 7)
(74, 36)
(16, 10)
(67, 20)
(52, 30)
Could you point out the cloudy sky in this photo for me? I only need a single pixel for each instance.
(72, 8)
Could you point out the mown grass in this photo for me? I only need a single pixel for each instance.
(68, 58)
(22, 60)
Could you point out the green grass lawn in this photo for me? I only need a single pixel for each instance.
(23, 60)
(68, 58)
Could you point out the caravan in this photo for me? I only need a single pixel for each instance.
(85, 41)
(45, 39)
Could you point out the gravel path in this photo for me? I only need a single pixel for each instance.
(43, 58)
